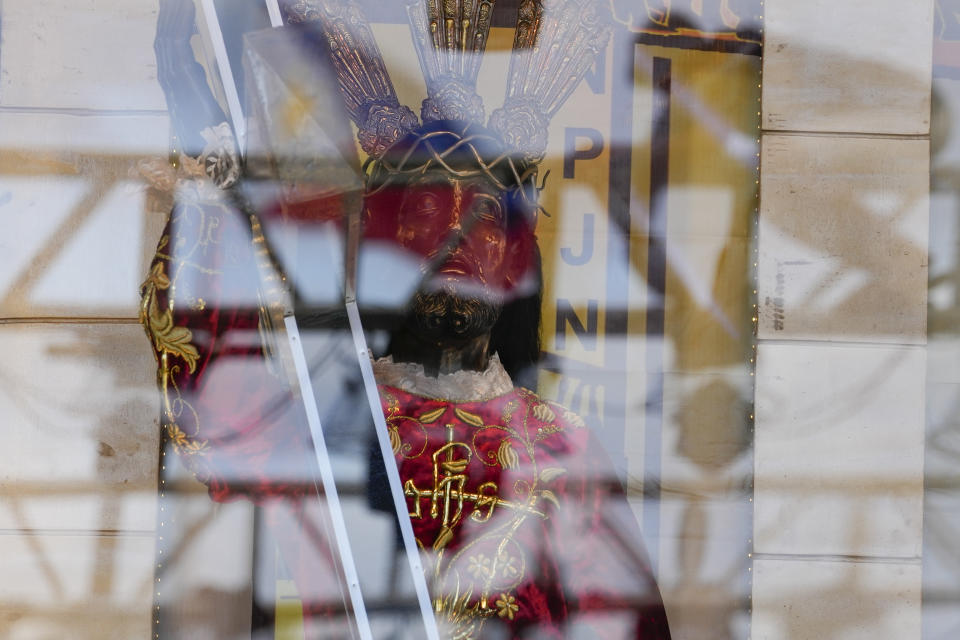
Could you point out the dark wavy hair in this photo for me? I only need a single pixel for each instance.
(467, 150)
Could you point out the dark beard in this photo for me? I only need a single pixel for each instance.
(441, 317)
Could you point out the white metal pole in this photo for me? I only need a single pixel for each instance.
(326, 475)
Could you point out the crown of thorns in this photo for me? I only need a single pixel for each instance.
(460, 152)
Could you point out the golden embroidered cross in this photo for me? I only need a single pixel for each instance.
(448, 494)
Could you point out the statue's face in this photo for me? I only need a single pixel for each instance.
(460, 227)
(471, 256)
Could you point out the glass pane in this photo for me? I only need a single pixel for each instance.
(476, 319)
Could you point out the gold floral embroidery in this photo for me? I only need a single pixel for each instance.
(546, 494)
(394, 420)
(431, 416)
(508, 410)
(470, 418)
(176, 409)
(456, 619)
(508, 566)
(170, 342)
(507, 606)
(507, 456)
(574, 419)
(182, 442)
(393, 405)
(166, 336)
(395, 440)
(544, 413)
(551, 473)
(479, 567)
(544, 432)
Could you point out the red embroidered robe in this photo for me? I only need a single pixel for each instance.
(522, 521)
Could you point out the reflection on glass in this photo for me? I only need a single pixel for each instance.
(512, 503)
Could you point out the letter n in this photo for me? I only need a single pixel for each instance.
(567, 315)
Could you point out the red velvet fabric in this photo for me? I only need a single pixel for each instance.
(522, 520)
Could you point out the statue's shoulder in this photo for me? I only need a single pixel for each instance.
(547, 420)
(549, 410)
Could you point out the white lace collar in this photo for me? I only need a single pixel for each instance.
(460, 386)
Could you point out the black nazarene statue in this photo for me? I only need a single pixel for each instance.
(522, 524)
